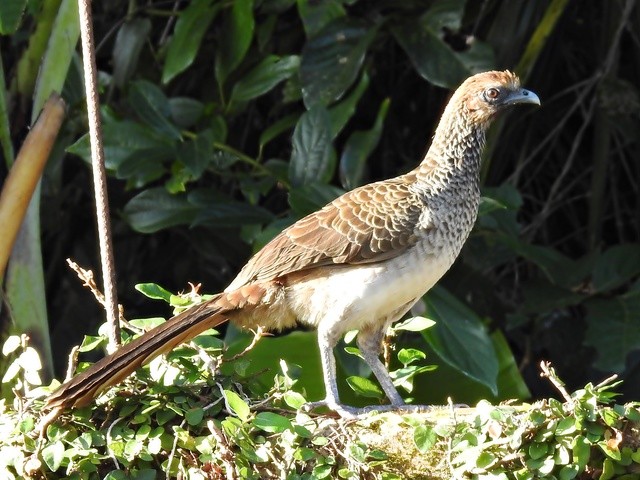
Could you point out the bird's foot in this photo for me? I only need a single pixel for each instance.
(348, 412)
(344, 411)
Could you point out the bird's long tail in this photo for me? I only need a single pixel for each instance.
(114, 368)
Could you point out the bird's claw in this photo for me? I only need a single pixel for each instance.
(347, 412)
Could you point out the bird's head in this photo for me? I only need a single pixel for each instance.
(482, 96)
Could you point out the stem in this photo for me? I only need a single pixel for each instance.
(99, 175)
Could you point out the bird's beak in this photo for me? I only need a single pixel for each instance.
(522, 96)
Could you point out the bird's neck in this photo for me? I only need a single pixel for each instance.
(455, 153)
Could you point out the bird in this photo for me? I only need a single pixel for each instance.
(359, 263)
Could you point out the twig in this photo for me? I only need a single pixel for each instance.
(173, 451)
(110, 452)
(99, 175)
(87, 277)
(257, 335)
(73, 363)
(550, 373)
(226, 454)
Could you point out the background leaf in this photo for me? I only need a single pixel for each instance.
(130, 39)
(155, 209)
(191, 26)
(10, 15)
(460, 338)
(152, 106)
(612, 329)
(358, 148)
(236, 36)
(331, 60)
(263, 77)
(312, 156)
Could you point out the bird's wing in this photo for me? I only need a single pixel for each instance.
(372, 223)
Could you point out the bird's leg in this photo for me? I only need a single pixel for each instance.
(369, 343)
(328, 337)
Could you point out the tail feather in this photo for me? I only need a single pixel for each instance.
(113, 368)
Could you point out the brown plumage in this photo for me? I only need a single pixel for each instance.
(358, 263)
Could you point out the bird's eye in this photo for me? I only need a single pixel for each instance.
(492, 93)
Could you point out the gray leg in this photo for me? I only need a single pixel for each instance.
(327, 340)
(369, 343)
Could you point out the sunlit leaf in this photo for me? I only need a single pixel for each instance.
(237, 405)
(365, 387)
(424, 437)
(153, 290)
(272, 422)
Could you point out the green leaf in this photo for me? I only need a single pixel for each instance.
(53, 454)
(220, 211)
(311, 197)
(144, 166)
(541, 296)
(90, 342)
(194, 415)
(191, 26)
(272, 422)
(538, 450)
(277, 128)
(152, 106)
(154, 291)
(265, 76)
(10, 15)
(410, 355)
(293, 399)
(613, 329)
(414, 324)
(312, 156)
(433, 58)
(316, 15)
(510, 381)
(235, 38)
(340, 113)
(185, 112)
(460, 338)
(121, 140)
(197, 153)
(331, 60)
(425, 437)
(568, 472)
(488, 205)
(365, 387)
(131, 37)
(358, 148)
(156, 209)
(616, 266)
(238, 406)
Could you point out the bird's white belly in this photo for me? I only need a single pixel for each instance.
(356, 295)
